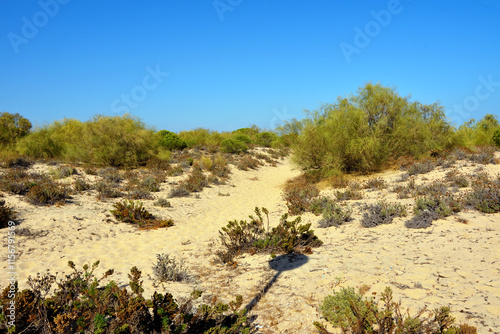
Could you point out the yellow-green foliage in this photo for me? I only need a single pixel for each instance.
(12, 128)
(479, 133)
(203, 138)
(366, 131)
(103, 140)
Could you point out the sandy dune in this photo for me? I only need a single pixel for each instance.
(449, 264)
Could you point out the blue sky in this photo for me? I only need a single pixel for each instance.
(227, 64)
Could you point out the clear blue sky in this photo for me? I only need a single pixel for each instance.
(228, 64)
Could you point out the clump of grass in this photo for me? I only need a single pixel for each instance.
(334, 215)
(18, 181)
(47, 192)
(408, 190)
(320, 203)
(243, 236)
(436, 188)
(382, 213)
(349, 194)
(353, 313)
(299, 194)
(168, 269)
(338, 181)
(375, 183)
(220, 167)
(90, 171)
(139, 193)
(6, 214)
(483, 155)
(176, 171)
(135, 213)
(422, 220)
(62, 172)
(430, 208)
(162, 202)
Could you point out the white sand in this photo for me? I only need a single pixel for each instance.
(449, 264)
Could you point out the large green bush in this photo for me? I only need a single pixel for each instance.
(233, 146)
(171, 141)
(366, 131)
(103, 140)
(12, 128)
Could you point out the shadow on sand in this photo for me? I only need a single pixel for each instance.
(280, 264)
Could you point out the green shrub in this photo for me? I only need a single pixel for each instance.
(248, 162)
(47, 192)
(62, 172)
(242, 138)
(484, 196)
(79, 304)
(107, 190)
(6, 214)
(496, 138)
(81, 185)
(12, 128)
(242, 236)
(266, 139)
(195, 182)
(233, 146)
(134, 213)
(367, 131)
(171, 141)
(353, 313)
(334, 215)
(162, 202)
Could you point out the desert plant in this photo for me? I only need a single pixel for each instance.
(107, 190)
(62, 172)
(150, 183)
(319, 204)
(134, 213)
(334, 215)
(420, 167)
(248, 162)
(243, 236)
(484, 196)
(6, 214)
(376, 183)
(12, 128)
(266, 139)
(382, 213)
(349, 194)
(195, 182)
(169, 269)
(47, 192)
(353, 313)
(299, 194)
(456, 179)
(179, 191)
(162, 202)
(81, 184)
(110, 174)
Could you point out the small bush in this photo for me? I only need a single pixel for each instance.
(139, 193)
(47, 193)
(382, 213)
(299, 194)
(195, 182)
(162, 202)
(168, 269)
(134, 213)
(150, 183)
(483, 155)
(6, 214)
(349, 194)
(423, 219)
(456, 179)
(81, 185)
(420, 167)
(334, 215)
(319, 204)
(107, 190)
(436, 188)
(242, 236)
(376, 183)
(248, 162)
(406, 191)
(484, 196)
(63, 172)
(443, 206)
(180, 191)
(242, 138)
(266, 139)
(232, 146)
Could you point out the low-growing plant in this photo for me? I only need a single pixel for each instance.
(377, 183)
(406, 191)
(110, 174)
(47, 192)
(349, 194)
(196, 181)
(107, 190)
(62, 172)
(162, 202)
(423, 219)
(436, 188)
(444, 206)
(81, 185)
(334, 215)
(319, 204)
(483, 155)
(150, 183)
(79, 304)
(179, 191)
(139, 193)
(6, 214)
(248, 162)
(243, 236)
(135, 213)
(353, 313)
(456, 179)
(299, 194)
(169, 269)
(484, 196)
(420, 167)
(382, 212)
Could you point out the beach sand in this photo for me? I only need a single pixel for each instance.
(451, 263)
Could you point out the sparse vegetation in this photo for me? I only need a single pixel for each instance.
(382, 213)
(162, 202)
(169, 269)
(334, 215)
(299, 194)
(351, 312)
(134, 213)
